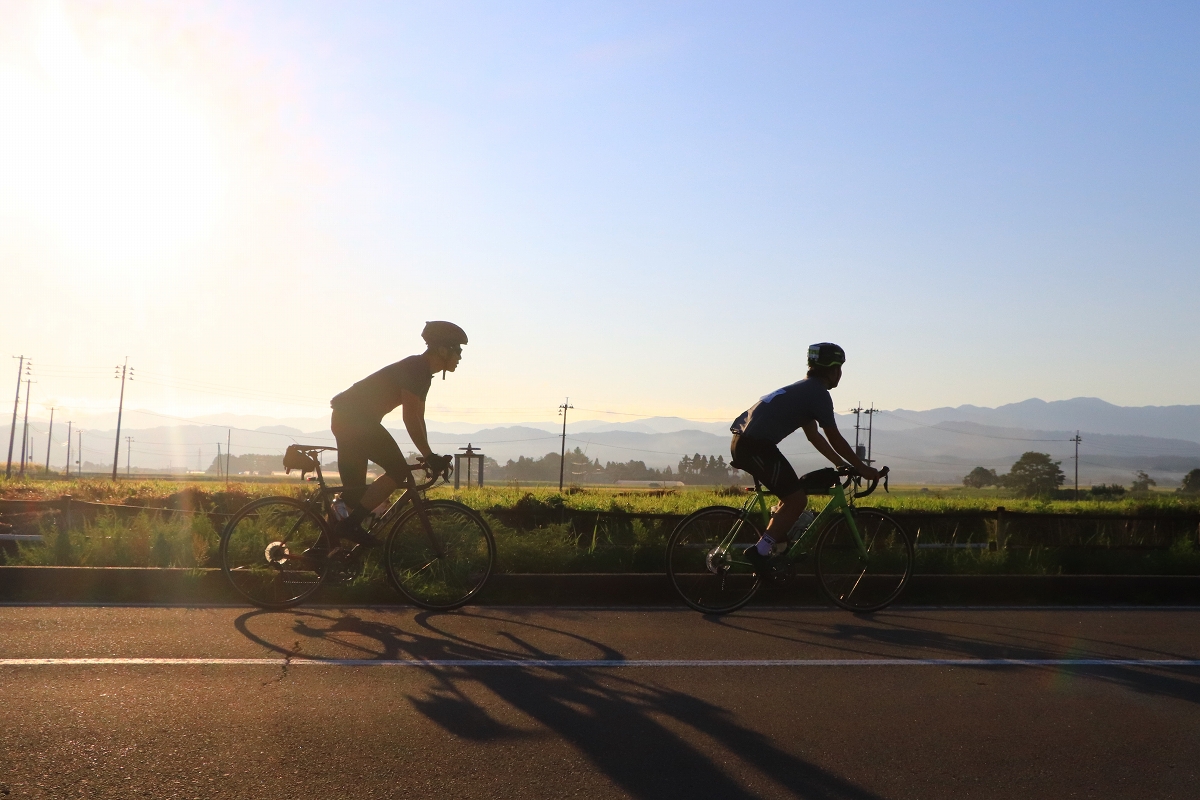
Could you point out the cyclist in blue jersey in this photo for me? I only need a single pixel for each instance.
(357, 424)
(759, 430)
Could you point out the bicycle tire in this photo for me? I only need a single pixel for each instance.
(841, 572)
(262, 552)
(440, 582)
(711, 582)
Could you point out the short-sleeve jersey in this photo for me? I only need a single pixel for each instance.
(377, 394)
(777, 415)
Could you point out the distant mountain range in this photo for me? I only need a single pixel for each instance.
(935, 446)
(1088, 414)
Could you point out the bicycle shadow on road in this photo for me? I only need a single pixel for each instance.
(644, 737)
(898, 633)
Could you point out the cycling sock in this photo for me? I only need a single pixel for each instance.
(766, 545)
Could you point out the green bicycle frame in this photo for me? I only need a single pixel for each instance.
(802, 544)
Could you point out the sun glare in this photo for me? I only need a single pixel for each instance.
(101, 155)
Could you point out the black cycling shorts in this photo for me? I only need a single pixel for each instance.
(361, 439)
(763, 460)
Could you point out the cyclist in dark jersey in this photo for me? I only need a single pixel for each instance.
(357, 425)
(759, 430)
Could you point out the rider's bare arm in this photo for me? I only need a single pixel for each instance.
(818, 441)
(837, 449)
(413, 414)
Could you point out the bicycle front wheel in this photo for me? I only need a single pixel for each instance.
(267, 552)
(443, 566)
(705, 562)
(869, 578)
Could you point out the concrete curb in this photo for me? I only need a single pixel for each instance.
(205, 586)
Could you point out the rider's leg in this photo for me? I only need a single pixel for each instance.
(396, 473)
(763, 460)
(352, 456)
(782, 520)
(378, 492)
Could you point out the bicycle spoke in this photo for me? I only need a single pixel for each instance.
(868, 571)
(442, 558)
(262, 552)
(704, 560)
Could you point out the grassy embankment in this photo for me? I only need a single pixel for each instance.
(542, 530)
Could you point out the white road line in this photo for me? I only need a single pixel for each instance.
(603, 663)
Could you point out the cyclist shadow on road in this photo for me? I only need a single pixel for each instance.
(637, 733)
(900, 633)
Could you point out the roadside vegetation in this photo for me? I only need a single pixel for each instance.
(221, 497)
(543, 530)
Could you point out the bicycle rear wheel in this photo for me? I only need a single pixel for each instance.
(710, 578)
(868, 584)
(444, 566)
(263, 552)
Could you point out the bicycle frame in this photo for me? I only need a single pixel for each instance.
(802, 545)
(412, 494)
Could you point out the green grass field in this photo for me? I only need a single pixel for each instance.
(216, 496)
(543, 530)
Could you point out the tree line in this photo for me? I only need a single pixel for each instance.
(579, 468)
(1038, 475)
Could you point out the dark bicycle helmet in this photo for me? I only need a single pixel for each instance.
(825, 354)
(440, 333)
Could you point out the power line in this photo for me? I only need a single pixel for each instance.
(964, 463)
(646, 416)
(938, 427)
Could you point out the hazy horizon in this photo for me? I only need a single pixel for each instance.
(648, 208)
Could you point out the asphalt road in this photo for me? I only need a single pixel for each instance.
(321, 702)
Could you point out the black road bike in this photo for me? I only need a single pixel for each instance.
(438, 554)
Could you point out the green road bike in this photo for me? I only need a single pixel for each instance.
(437, 553)
(863, 557)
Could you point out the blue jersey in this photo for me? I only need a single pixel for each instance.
(777, 415)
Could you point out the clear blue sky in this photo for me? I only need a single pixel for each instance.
(652, 208)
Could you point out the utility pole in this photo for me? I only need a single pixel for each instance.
(49, 439)
(12, 434)
(128, 442)
(228, 451)
(67, 470)
(1076, 440)
(25, 427)
(124, 368)
(218, 459)
(870, 412)
(562, 461)
(79, 458)
(859, 450)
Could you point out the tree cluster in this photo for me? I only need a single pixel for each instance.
(1032, 475)
(1142, 482)
(1191, 482)
(705, 469)
(579, 468)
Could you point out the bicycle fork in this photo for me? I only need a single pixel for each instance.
(435, 541)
